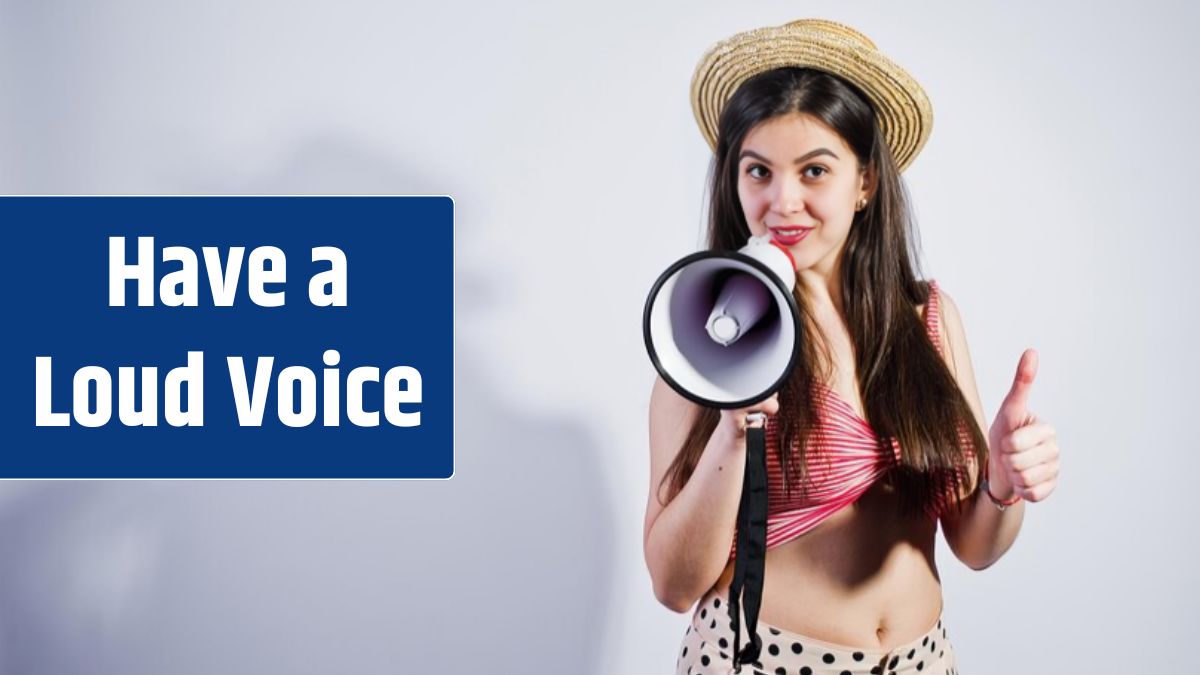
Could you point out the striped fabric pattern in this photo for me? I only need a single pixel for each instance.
(845, 457)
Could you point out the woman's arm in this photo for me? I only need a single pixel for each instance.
(687, 540)
(982, 533)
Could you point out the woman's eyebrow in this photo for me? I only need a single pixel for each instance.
(802, 158)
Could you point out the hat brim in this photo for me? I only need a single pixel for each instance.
(903, 110)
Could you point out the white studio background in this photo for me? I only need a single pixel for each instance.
(1053, 206)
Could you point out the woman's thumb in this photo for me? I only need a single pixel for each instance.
(1016, 405)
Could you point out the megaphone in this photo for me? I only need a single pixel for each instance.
(721, 328)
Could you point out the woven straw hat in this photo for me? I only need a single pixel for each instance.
(902, 109)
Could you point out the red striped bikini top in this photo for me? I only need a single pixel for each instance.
(849, 457)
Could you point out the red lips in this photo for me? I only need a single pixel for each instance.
(790, 235)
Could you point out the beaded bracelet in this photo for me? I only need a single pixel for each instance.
(1000, 503)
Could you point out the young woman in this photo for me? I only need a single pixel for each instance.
(877, 434)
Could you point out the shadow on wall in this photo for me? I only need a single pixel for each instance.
(503, 569)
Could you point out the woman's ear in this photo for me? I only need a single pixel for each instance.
(870, 181)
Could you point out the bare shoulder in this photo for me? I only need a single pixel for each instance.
(953, 338)
(953, 335)
(671, 418)
(667, 404)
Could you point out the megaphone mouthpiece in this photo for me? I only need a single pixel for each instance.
(743, 301)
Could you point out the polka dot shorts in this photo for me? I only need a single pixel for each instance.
(708, 649)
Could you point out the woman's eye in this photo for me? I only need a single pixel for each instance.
(820, 171)
(757, 171)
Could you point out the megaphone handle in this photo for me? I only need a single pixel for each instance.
(750, 560)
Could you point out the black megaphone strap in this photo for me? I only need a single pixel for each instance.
(750, 558)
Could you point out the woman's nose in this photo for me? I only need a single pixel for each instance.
(789, 198)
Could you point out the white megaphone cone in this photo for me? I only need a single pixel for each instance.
(721, 328)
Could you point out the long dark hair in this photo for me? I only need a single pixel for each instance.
(909, 392)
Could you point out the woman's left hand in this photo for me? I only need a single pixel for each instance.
(1023, 450)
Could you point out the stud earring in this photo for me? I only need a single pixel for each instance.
(862, 204)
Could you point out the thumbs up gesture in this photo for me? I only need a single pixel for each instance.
(1023, 456)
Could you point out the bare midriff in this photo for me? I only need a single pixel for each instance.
(863, 578)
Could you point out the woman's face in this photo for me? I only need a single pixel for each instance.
(800, 182)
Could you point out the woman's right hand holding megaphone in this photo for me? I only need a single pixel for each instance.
(734, 422)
